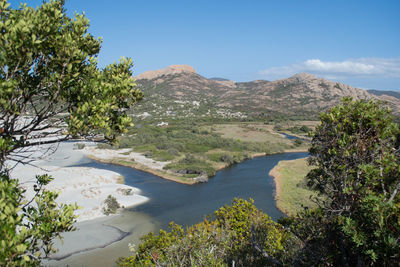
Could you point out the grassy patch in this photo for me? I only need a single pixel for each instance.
(191, 166)
(291, 189)
(249, 133)
(213, 146)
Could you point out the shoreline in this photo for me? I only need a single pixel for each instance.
(118, 237)
(84, 186)
(276, 175)
(100, 242)
(124, 161)
(88, 188)
(290, 194)
(139, 167)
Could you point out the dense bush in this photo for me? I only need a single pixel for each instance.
(191, 165)
(355, 151)
(111, 205)
(297, 142)
(300, 129)
(230, 237)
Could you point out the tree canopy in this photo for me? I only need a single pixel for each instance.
(51, 90)
(50, 83)
(355, 150)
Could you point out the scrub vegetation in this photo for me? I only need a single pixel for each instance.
(51, 86)
(355, 171)
(196, 149)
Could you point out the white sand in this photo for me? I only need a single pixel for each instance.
(97, 236)
(88, 187)
(124, 154)
(98, 242)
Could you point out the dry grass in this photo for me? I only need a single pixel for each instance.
(310, 124)
(250, 133)
(291, 191)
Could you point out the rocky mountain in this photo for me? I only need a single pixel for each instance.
(388, 93)
(179, 91)
(170, 70)
(218, 79)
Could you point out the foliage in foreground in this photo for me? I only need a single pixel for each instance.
(355, 151)
(27, 231)
(219, 242)
(50, 90)
(356, 154)
(50, 83)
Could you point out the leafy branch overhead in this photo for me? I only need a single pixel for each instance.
(50, 80)
(51, 90)
(357, 157)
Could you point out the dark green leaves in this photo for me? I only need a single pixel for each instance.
(356, 154)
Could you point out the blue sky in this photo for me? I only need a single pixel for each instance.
(356, 42)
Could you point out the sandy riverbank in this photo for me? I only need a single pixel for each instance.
(87, 187)
(291, 191)
(126, 157)
(112, 236)
(277, 179)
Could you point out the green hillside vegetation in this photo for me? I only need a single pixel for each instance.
(196, 149)
(355, 170)
(189, 95)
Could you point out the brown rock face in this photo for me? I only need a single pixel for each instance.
(302, 94)
(173, 69)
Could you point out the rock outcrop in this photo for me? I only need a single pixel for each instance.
(173, 69)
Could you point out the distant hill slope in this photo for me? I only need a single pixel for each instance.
(178, 91)
(389, 93)
(218, 79)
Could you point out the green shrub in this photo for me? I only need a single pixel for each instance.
(111, 205)
(298, 142)
(217, 242)
(305, 129)
(79, 146)
(191, 165)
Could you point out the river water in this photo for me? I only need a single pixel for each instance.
(189, 204)
(171, 201)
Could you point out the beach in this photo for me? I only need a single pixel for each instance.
(88, 188)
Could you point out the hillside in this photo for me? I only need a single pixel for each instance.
(388, 93)
(178, 91)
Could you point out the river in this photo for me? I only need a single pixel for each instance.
(189, 204)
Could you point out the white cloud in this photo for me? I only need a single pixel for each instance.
(352, 68)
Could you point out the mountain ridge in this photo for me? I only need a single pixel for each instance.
(302, 94)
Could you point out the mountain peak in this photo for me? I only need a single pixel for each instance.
(173, 69)
(303, 76)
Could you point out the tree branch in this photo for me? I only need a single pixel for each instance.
(394, 192)
(262, 251)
